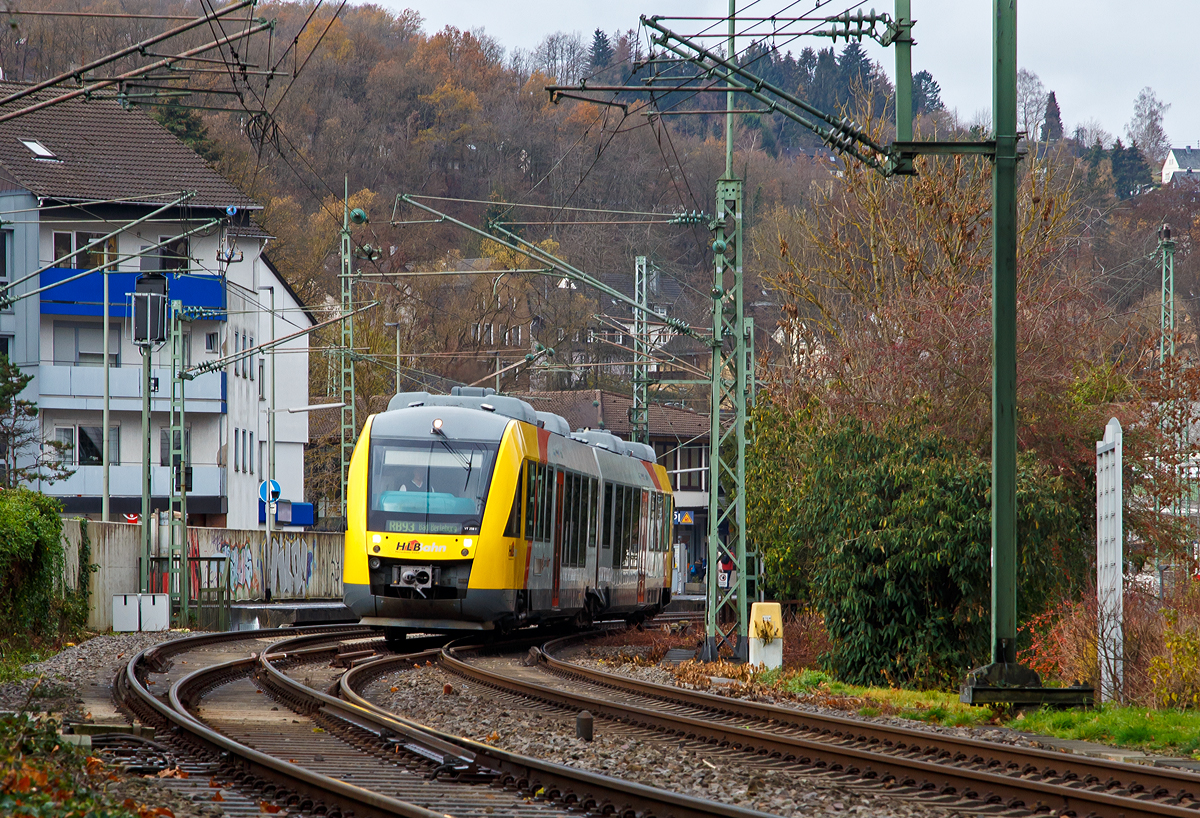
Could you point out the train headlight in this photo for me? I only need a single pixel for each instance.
(437, 426)
(374, 562)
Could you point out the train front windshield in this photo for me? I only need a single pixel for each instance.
(433, 486)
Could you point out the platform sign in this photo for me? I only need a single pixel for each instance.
(262, 491)
(684, 518)
(133, 518)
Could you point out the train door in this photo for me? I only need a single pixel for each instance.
(643, 544)
(556, 567)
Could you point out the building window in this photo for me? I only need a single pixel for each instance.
(251, 359)
(83, 345)
(237, 439)
(476, 332)
(5, 244)
(65, 437)
(211, 342)
(164, 446)
(487, 335)
(64, 245)
(175, 254)
(250, 454)
(262, 384)
(96, 257)
(90, 453)
(6, 346)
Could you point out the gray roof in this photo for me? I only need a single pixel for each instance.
(103, 151)
(1188, 157)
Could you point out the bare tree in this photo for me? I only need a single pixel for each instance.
(1146, 127)
(561, 56)
(1031, 103)
(1090, 132)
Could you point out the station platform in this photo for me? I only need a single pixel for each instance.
(686, 602)
(249, 616)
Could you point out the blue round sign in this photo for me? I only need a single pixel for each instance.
(262, 490)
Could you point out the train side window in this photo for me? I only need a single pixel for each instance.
(618, 526)
(576, 485)
(513, 527)
(606, 538)
(568, 529)
(593, 516)
(652, 525)
(545, 482)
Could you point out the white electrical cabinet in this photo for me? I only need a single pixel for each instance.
(126, 612)
(155, 612)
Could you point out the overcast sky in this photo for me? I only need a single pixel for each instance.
(1094, 54)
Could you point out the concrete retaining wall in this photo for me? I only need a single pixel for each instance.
(298, 565)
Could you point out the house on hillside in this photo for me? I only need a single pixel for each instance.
(78, 172)
(680, 441)
(1181, 161)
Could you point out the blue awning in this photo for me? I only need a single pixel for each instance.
(85, 296)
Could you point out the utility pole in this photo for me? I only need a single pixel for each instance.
(397, 326)
(149, 331)
(104, 448)
(639, 412)
(181, 469)
(727, 464)
(1166, 351)
(1004, 336)
(349, 416)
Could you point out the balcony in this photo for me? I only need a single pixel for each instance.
(82, 388)
(85, 296)
(126, 481)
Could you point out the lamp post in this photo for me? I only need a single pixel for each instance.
(270, 454)
(396, 324)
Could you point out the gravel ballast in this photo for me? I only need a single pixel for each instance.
(419, 694)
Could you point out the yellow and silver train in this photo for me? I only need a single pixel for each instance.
(472, 511)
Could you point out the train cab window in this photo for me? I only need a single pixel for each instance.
(513, 527)
(428, 487)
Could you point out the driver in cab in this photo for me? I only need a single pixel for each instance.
(416, 482)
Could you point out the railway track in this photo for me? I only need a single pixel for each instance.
(253, 713)
(980, 775)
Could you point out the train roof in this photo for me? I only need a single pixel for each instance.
(486, 400)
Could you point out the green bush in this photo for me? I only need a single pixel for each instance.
(33, 602)
(890, 537)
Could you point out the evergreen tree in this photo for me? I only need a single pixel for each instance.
(926, 94)
(1052, 127)
(602, 51)
(854, 72)
(807, 67)
(187, 125)
(1131, 171)
(20, 436)
(822, 92)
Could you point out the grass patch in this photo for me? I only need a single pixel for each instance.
(1175, 732)
(818, 687)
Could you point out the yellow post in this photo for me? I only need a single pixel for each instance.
(766, 635)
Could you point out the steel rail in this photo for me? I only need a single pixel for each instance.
(257, 764)
(586, 790)
(982, 784)
(1152, 779)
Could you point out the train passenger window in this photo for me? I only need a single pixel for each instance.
(593, 503)
(619, 527)
(568, 534)
(606, 539)
(546, 498)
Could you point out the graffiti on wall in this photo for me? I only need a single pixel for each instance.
(297, 565)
